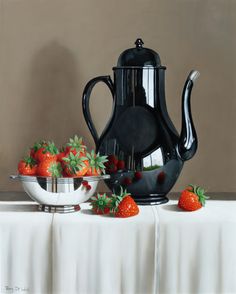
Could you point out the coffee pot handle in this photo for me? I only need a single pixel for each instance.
(85, 102)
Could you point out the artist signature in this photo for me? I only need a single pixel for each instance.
(14, 289)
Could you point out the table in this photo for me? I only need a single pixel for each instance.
(162, 250)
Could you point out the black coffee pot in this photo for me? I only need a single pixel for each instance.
(145, 152)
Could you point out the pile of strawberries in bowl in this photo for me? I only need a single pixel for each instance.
(44, 159)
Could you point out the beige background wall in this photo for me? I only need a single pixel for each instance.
(49, 49)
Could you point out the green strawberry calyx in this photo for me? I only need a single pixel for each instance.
(39, 145)
(74, 163)
(100, 202)
(200, 192)
(51, 148)
(116, 199)
(96, 161)
(76, 143)
(29, 161)
(55, 169)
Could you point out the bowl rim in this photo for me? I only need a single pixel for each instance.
(24, 178)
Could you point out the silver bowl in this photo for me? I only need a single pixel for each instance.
(59, 194)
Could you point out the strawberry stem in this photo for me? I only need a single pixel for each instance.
(74, 163)
(117, 198)
(29, 161)
(76, 143)
(100, 202)
(96, 161)
(56, 169)
(51, 148)
(200, 192)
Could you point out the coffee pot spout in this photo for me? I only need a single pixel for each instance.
(187, 145)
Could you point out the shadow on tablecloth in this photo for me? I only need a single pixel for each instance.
(171, 207)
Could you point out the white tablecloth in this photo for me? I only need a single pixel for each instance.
(162, 250)
(197, 250)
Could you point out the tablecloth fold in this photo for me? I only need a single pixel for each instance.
(25, 249)
(197, 250)
(101, 254)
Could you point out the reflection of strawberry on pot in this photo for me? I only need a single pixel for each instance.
(111, 164)
(114, 164)
(138, 175)
(127, 181)
(120, 165)
(161, 177)
(112, 159)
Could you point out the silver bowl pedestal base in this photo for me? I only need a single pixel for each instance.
(59, 209)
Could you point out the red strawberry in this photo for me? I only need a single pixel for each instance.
(74, 165)
(100, 204)
(76, 146)
(123, 205)
(192, 198)
(96, 164)
(138, 175)
(27, 166)
(49, 168)
(48, 151)
(120, 165)
(36, 147)
(60, 156)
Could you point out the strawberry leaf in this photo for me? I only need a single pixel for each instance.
(200, 192)
(96, 161)
(29, 161)
(74, 163)
(56, 169)
(76, 143)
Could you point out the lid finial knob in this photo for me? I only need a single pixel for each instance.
(139, 43)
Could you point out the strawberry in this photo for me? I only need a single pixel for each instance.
(76, 146)
(74, 165)
(49, 168)
(96, 164)
(36, 147)
(27, 166)
(192, 198)
(100, 204)
(61, 155)
(123, 205)
(138, 175)
(120, 165)
(47, 151)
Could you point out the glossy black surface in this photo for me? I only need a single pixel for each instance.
(141, 134)
(139, 56)
(86, 98)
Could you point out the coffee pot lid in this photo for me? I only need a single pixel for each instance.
(139, 57)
